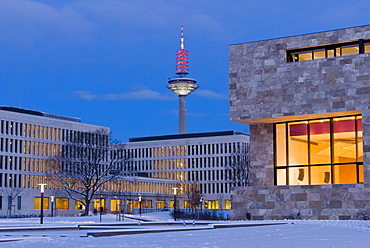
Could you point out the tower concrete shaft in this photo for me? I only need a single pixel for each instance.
(182, 114)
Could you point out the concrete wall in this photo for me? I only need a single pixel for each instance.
(336, 201)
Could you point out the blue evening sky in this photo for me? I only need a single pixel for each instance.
(108, 61)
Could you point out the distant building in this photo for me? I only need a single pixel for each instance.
(203, 161)
(28, 140)
(306, 99)
(208, 162)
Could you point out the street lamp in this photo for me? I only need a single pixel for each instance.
(52, 205)
(118, 209)
(42, 190)
(124, 206)
(140, 204)
(101, 208)
(201, 206)
(174, 204)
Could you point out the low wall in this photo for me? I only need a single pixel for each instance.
(312, 201)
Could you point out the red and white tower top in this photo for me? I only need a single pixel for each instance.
(182, 56)
(181, 84)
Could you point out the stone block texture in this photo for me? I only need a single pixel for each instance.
(266, 89)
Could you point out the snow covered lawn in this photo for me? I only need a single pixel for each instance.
(294, 234)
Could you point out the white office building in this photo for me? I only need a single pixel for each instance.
(211, 162)
(29, 140)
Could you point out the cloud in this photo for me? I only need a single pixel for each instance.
(210, 94)
(56, 22)
(135, 95)
(207, 114)
(176, 112)
(143, 94)
(24, 22)
(85, 95)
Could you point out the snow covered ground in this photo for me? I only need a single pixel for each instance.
(294, 234)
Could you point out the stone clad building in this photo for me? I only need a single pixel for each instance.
(306, 99)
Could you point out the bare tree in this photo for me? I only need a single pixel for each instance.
(238, 167)
(221, 198)
(85, 164)
(12, 194)
(128, 173)
(193, 196)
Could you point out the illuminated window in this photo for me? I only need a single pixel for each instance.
(115, 205)
(147, 204)
(37, 203)
(350, 49)
(344, 140)
(324, 151)
(129, 206)
(79, 205)
(227, 204)
(367, 47)
(211, 204)
(99, 204)
(62, 203)
(297, 142)
(328, 51)
(298, 176)
(320, 141)
(160, 204)
(136, 204)
(319, 54)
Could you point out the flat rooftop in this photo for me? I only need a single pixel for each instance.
(38, 113)
(187, 136)
(240, 43)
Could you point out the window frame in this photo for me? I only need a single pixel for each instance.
(359, 43)
(358, 163)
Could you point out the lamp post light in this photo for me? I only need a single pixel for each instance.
(52, 205)
(174, 203)
(140, 204)
(42, 190)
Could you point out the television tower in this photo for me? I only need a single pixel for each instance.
(181, 84)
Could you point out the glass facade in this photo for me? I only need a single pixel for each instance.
(323, 151)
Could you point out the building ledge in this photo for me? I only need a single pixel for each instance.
(296, 117)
